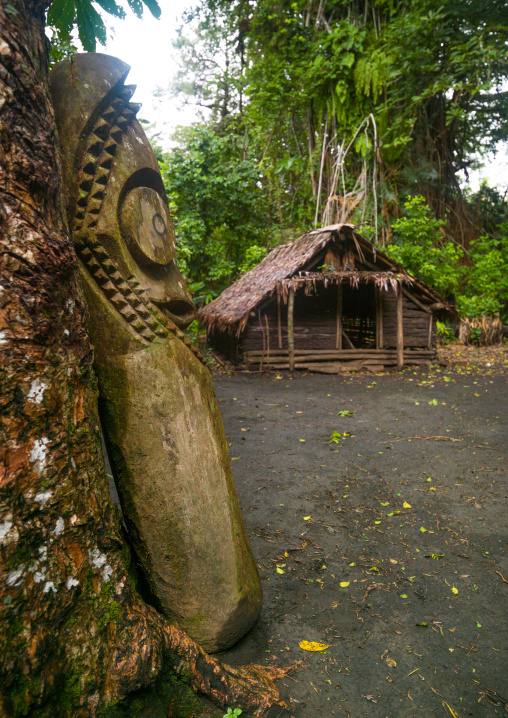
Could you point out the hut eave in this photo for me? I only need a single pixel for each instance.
(285, 267)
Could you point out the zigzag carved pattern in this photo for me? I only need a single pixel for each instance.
(145, 318)
(98, 157)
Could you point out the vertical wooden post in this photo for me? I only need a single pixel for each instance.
(338, 336)
(264, 340)
(379, 319)
(431, 327)
(279, 327)
(291, 337)
(400, 329)
(267, 340)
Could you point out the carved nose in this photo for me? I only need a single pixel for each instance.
(180, 311)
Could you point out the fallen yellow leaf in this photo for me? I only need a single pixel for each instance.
(394, 560)
(405, 505)
(306, 518)
(391, 663)
(454, 590)
(344, 584)
(312, 646)
(454, 713)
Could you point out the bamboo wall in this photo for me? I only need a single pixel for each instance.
(416, 324)
(315, 325)
(226, 344)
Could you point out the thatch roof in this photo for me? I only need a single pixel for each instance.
(290, 265)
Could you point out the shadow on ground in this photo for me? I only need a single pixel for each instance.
(389, 546)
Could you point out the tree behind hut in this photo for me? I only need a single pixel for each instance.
(354, 105)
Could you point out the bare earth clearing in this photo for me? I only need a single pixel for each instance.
(408, 512)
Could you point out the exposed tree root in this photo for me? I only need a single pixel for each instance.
(250, 687)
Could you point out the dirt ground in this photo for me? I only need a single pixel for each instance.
(389, 546)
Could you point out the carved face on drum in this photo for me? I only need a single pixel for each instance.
(118, 211)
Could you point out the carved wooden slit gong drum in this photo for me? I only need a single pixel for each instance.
(158, 408)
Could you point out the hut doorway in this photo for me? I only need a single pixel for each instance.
(335, 317)
(358, 316)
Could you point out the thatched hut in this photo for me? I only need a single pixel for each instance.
(329, 301)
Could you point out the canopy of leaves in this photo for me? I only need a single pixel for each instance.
(368, 100)
(477, 280)
(347, 106)
(65, 15)
(222, 205)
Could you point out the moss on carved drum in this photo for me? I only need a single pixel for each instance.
(158, 407)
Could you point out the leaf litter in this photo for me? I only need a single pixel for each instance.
(436, 533)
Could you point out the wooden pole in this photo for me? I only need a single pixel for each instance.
(351, 345)
(267, 340)
(338, 336)
(291, 338)
(279, 327)
(264, 340)
(431, 326)
(379, 319)
(400, 329)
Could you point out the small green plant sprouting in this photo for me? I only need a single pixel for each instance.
(444, 332)
(326, 268)
(232, 712)
(345, 412)
(335, 437)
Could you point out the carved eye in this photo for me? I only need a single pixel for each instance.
(147, 227)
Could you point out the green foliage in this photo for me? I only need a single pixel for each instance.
(61, 47)
(421, 248)
(444, 332)
(487, 277)
(253, 256)
(478, 278)
(233, 712)
(65, 15)
(221, 204)
(396, 95)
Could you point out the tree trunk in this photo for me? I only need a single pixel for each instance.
(75, 636)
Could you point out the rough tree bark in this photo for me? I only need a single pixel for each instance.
(75, 636)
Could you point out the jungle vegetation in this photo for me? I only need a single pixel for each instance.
(315, 112)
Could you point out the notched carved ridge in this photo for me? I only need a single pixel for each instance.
(127, 92)
(96, 146)
(110, 147)
(94, 206)
(89, 165)
(109, 289)
(135, 107)
(106, 163)
(102, 177)
(119, 300)
(85, 186)
(98, 192)
(102, 128)
(109, 114)
(82, 199)
(116, 133)
(118, 104)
